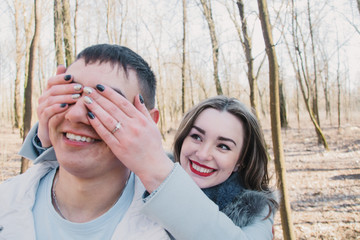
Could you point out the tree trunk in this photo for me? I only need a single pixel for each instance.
(108, 20)
(29, 23)
(325, 89)
(75, 26)
(28, 83)
(283, 113)
(338, 90)
(247, 46)
(67, 33)
(297, 106)
(307, 104)
(285, 210)
(59, 53)
(19, 54)
(183, 67)
(315, 107)
(301, 69)
(214, 43)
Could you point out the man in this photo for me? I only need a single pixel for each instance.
(81, 187)
(91, 195)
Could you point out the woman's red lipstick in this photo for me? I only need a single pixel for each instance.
(200, 169)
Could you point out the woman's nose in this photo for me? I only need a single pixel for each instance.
(204, 153)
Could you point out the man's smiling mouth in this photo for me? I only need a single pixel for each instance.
(79, 138)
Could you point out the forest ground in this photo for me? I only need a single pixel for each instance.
(323, 186)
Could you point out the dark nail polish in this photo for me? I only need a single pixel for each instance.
(141, 99)
(100, 87)
(91, 115)
(67, 77)
(63, 105)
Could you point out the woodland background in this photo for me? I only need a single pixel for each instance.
(199, 49)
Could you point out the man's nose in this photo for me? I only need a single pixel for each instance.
(77, 112)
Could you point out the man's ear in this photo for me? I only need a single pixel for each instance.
(155, 115)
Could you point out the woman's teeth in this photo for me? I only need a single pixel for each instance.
(79, 138)
(201, 169)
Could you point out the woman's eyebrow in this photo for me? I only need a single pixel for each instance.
(199, 129)
(220, 138)
(227, 139)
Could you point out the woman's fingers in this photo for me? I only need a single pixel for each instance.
(60, 69)
(53, 99)
(59, 93)
(102, 131)
(109, 116)
(120, 102)
(59, 78)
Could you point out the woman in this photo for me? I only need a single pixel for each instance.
(220, 145)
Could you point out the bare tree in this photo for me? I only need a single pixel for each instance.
(59, 53)
(247, 46)
(19, 54)
(28, 82)
(123, 14)
(67, 33)
(108, 22)
(315, 107)
(338, 84)
(282, 101)
(282, 97)
(285, 210)
(113, 18)
(324, 73)
(183, 66)
(160, 95)
(75, 26)
(206, 9)
(29, 32)
(62, 32)
(303, 79)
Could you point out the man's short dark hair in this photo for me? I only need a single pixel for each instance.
(127, 59)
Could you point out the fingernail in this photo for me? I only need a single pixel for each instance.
(87, 90)
(91, 115)
(141, 99)
(77, 87)
(100, 87)
(75, 96)
(88, 100)
(63, 105)
(67, 77)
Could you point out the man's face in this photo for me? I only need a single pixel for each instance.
(84, 153)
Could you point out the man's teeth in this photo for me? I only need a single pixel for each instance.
(74, 137)
(201, 169)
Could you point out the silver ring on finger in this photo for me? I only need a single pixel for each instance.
(117, 127)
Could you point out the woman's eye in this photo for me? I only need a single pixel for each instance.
(223, 147)
(195, 136)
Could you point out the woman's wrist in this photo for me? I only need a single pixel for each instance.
(156, 175)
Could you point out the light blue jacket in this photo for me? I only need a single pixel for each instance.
(181, 207)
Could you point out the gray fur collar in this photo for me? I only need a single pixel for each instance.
(241, 205)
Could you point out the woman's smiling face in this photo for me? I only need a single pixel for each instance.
(210, 152)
